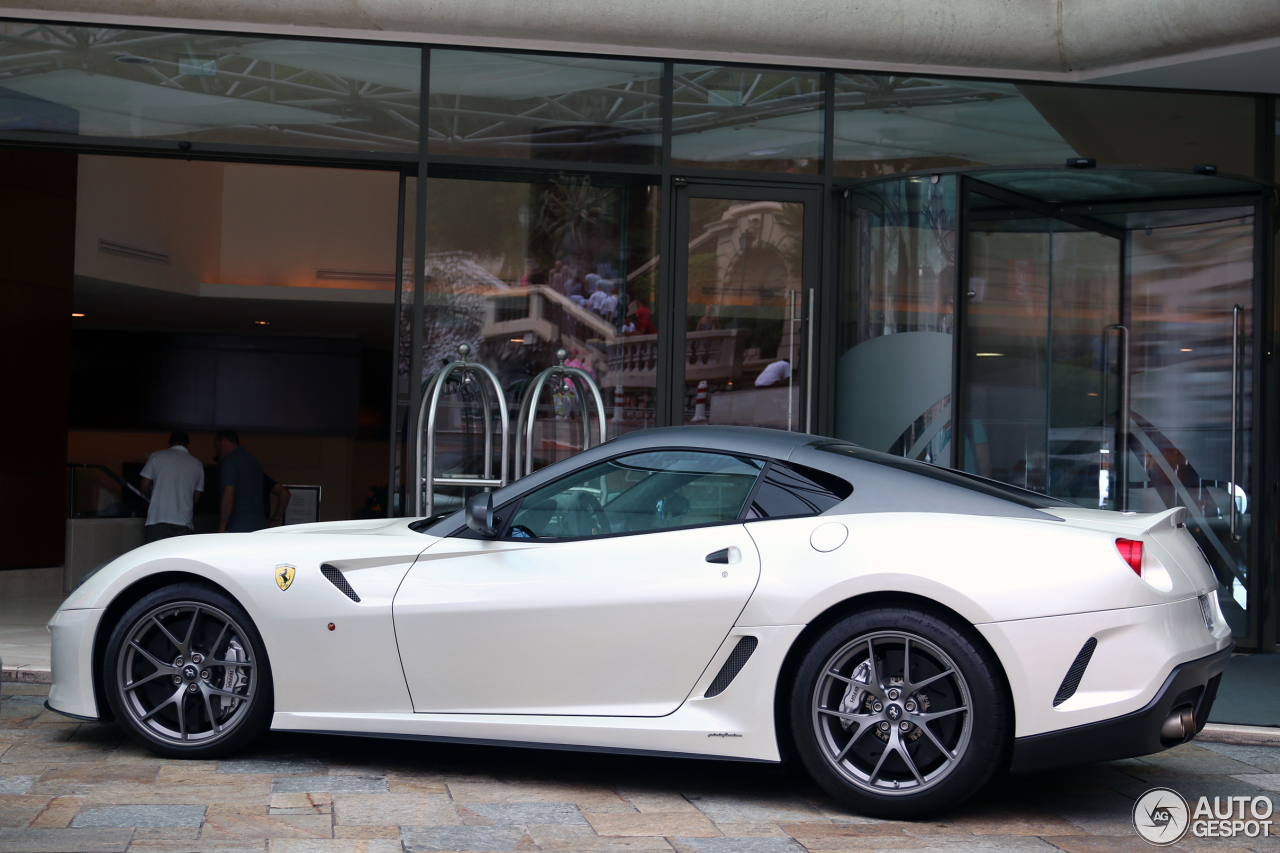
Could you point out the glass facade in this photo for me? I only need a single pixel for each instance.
(139, 84)
(894, 340)
(521, 270)
(888, 124)
(534, 106)
(970, 312)
(1106, 346)
(758, 119)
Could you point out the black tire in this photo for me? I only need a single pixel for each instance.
(186, 673)
(921, 752)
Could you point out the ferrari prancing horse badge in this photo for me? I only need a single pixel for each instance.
(284, 576)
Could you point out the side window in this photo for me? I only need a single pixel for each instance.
(656, 490)
(794, 490)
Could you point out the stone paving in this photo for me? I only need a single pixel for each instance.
(69, 787)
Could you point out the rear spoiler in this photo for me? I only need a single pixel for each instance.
(1153, 521)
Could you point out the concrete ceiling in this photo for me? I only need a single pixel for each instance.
(1212, 44)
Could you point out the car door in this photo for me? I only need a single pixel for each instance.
(608, 594)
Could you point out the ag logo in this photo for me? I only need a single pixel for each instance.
(284, 576)
(1161, 816)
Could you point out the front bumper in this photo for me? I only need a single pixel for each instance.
(71, 644)
(1193, 684)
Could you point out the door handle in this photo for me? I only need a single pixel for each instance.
(1236, 311)
(721, 556)
(1122, 427)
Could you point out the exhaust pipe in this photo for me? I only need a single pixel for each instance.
(1180, 725)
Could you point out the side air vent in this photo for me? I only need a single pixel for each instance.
(737, 660)
(339, 580)
(1072, 681)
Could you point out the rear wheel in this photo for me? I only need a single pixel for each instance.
(899, 712)
(187, 675)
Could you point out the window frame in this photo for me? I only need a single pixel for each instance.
(512, 506)
(764, 478)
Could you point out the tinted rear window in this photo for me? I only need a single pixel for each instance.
(794, 490)
(963, 479)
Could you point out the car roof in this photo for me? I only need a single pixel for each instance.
(882, 483)
(757, 441)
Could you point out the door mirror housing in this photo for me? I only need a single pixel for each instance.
(480, 515)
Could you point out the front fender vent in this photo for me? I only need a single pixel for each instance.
(1078, 666)
(339, 580)
(737, 660)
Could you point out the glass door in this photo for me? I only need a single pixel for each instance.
(1042, 315)
(1190, 437)
(1108, 361)
(746, 274)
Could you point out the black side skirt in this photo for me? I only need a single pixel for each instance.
(1193, 684)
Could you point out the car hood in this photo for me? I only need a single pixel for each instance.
(361, 526)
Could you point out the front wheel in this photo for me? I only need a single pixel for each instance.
(187, 674)
(899, 713)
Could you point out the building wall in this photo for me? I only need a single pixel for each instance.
(233, 223)
(171, 207)
(37, 233)
(280, 224)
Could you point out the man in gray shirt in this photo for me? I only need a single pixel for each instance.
(173, 479)
(241, 476)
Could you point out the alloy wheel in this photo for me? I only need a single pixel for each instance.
(185, 673)
(892, 713)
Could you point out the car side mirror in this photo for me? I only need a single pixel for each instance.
(480, 515)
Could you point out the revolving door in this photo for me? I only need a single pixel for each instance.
(1085, 334)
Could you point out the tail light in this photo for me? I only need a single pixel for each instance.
(1131, 552)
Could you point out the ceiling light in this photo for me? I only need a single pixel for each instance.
(76, 314)
(1093, 393)
(1186, 349)
(989, 354)
(261, 322)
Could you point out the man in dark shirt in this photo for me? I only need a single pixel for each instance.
(241, 476)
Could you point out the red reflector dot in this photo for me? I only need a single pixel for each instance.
(331, 626)
(1131, 552)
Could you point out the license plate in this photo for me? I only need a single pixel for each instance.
(1206, 610)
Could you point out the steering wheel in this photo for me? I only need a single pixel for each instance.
(585, 517)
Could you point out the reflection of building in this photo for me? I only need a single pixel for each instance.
(872, 247)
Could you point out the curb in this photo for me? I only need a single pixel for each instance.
(1240, 735)
(27, 674)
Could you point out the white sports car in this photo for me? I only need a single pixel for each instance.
(730, 593)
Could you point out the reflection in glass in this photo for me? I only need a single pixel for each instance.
(890, 124)
(101, 81)
(743, 341)
(1188, 271)
(545, 107)
(893, 376)
(1040, 394)
(762, 119)
(518, 271)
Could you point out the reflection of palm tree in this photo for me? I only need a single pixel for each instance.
(572, 213)
(791, 244)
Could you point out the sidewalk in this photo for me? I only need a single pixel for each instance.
(24, 640)
(83, 787)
